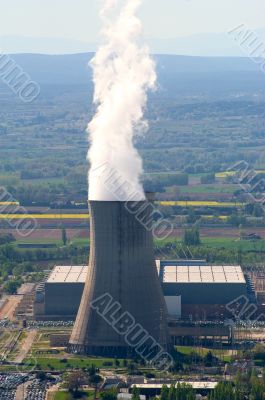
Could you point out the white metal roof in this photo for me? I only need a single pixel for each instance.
(204, 274)
(194, 384)
(172, 274)
(73, 273)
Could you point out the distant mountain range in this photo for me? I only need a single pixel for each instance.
(14, 44)
(203, 44)
(176, 74)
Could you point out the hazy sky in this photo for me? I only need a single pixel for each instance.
(78, 19)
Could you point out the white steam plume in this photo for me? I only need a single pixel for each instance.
(123, 72)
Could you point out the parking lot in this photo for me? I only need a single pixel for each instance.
(36, 390)
(9, 384)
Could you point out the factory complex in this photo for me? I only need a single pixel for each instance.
(201, 291)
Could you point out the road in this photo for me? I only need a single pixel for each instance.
(21, 391)
(8, 309)
(25, 346)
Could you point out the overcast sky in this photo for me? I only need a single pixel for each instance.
(78, 19)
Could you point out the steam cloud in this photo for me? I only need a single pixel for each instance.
(123, 72)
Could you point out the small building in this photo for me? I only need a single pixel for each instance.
(128, 396)
(154, 389)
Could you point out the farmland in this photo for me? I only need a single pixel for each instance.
(198, 135)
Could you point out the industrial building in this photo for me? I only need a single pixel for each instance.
(63, 290)
(191, 291)
(206, 285)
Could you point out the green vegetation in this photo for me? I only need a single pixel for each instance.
(64, 237)
(208, 178)
(182, 391)
(54, 363)
(192, 237)
(17, 263)
(12, 285)
(215, 250)
(64, 395)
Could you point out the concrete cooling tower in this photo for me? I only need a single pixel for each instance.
(121, 268)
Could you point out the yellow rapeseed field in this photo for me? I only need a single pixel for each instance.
(9, 203)
(44, 216)
(232, 173)
(86, 216)
(225, 174)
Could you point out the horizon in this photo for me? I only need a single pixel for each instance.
(199, 45)
(152, 54)
(181, 27)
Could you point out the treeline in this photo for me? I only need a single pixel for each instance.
(8, 253)
(173, 250)
(74, 186)
(159, 183)
(7, 238)
(46, 194)
(15, 263)
(182, 391)
(247, 385)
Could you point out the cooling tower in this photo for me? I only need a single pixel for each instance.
(122, 267)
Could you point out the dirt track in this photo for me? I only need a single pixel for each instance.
(7, 311)
(25, 346)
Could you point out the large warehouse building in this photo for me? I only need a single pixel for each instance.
(191, 289)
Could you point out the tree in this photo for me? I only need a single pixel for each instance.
(209, 178)
(74, 380)
(64, 237)
(109, 394)
(12, 286)
(208, 359)
(135, 393)
(192, 237)
(258, 210)
(117, 363)
(94, 381)
(125, 363)
(172, 393)
(257, 387)
(8, 238)
(132, 369)
(223, 391)
(192, 217)
(164, 393)
(41, 375)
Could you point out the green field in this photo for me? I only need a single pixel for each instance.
(53, 363)
(202, 351)
(68, 396)
(230, 243)
(209, 189)
(221, 242)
